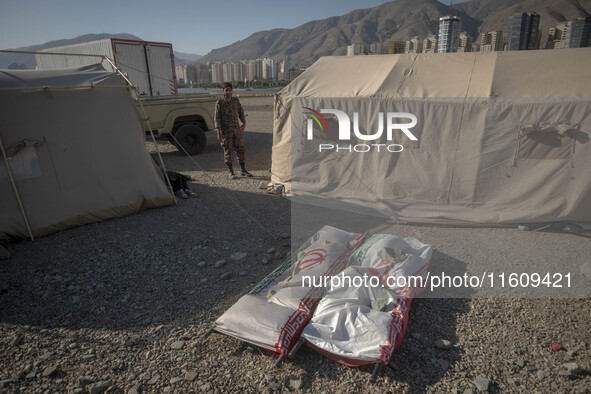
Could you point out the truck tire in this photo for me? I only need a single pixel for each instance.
(192, 138)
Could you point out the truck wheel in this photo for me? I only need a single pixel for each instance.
(191, 138)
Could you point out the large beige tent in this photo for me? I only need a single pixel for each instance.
(75, 151)
(502, 137)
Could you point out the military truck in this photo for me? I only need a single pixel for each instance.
(186, 117)
(149, 66)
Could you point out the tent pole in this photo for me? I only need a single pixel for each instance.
(17, 194)
(155, 144)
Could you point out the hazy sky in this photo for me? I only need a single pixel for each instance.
(192, 26)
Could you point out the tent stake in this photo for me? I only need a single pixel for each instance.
(297, 347)
(376, 371)
(207, 334)
(278, 362)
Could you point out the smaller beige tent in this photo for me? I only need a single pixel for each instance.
(74, 151)
(501, 137)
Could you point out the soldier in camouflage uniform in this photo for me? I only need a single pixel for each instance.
(227, 113)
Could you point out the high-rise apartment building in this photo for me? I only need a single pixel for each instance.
(251, 70)
(283, 70)
(465, 43)
(430, 44)
(414, 45)
(181, 73)
(578, 33)
(395, 47)
(377, 48)
(202, 74)
(557, 36)
(238, 71)
(356, 49)
(523, 32)
(270, 68)
(449, 34)
(217, 72)
(491, 41)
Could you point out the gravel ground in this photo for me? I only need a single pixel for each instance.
(119, 306)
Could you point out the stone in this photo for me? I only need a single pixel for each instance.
(191, 375)
(571, 367)
(481, 384)
(177, 345)
(285, 236)
(175, 379)
(49, 371)
(540, 374)
(99, 387)
(242, 273)
(238, 256)
(271, 250)
(520, 363)
(5, 382)
(586, 270)
(220, 263)
(571, 353)
(296, 383)
(201, 264)
(443, 364)
(278, 189)
(84, 381)
(225, 275)
(45, 356)
(4, 253)
(265, 261)
(154, 379)
(262, 186)
(443, 344)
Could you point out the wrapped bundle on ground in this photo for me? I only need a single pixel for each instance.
(363, 315)
(274, 313)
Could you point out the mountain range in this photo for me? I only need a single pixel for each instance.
(28, 61)
(399, 20)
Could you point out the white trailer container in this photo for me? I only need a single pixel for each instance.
(148, 65)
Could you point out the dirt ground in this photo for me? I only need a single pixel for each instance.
(120, 306)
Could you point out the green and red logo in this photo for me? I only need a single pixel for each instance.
(317, 117)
